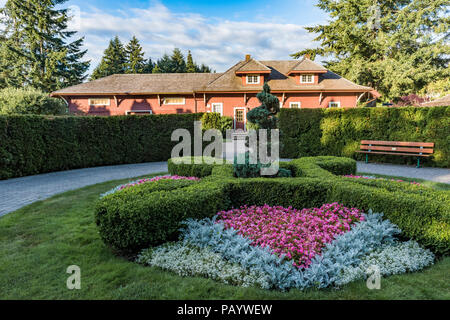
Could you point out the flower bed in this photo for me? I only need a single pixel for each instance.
(297, 234)
(379, 178)
(211, 249)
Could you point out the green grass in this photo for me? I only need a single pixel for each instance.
(39, 242)
(427, 183)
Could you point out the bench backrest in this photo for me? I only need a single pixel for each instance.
(417, 148)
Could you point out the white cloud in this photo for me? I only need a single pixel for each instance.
(217, 43)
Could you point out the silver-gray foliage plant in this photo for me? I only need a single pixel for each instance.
(372, 241)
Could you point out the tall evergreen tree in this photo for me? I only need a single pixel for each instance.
(164, 65)
(395, 46)
(113, 62)
(149, 65)
(36, 49)
(156, 69)
(178, 65)
(190, 65)
(203, 69)
(135, 57)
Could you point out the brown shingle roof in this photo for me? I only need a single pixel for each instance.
(140, 84)
(307, 65)
(279, 81)
(252, 65)
(441, 102)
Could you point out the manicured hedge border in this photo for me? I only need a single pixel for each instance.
(338, 132)
(133, 220)
(37, 144)
(189, 167)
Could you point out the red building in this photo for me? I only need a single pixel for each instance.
(297, 83)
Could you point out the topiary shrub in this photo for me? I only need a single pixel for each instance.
(262, 117)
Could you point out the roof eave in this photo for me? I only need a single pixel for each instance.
(254, 72)
(66, 94)
(306, 71)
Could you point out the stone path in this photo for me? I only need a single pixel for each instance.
(432, 174)
(18, 192)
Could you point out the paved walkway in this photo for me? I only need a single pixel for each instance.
(432, 174)
(19, 192)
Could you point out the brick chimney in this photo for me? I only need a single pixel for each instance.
(247, 57)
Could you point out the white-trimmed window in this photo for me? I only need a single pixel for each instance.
(129, 112)
(307, 78)
(217, 107)
(295, 105)
(253, 79)
(99, 102)
(174, 101)
(334, 104)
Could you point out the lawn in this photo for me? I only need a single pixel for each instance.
(38, 243)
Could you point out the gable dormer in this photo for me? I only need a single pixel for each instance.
(253, 72)
(307, 72)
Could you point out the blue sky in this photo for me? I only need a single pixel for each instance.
(219, 33)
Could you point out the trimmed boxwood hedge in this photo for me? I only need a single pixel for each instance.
(338, 132)
(37, 144)
(189, 167)
(132, 220)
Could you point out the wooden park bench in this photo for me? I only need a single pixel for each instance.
(397, 148)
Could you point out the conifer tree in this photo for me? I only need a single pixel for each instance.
(164, 65)
(36, 49)
(113, 61)
(395, 46)
(190, 65)
(156, 69)
(149, 65)
(178, 65)
(204, 69)
(135, 62)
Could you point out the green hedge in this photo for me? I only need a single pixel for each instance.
(132, 220)
(37, 144)
(338, 132)
(188, 167)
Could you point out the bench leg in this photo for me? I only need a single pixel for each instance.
(367, 158)
(418, 162)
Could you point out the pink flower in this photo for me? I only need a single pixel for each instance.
(297, 234)
(132, 184)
